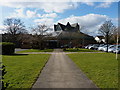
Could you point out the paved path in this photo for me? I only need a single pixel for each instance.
(19, 49)
(61, 72)
(55, 52)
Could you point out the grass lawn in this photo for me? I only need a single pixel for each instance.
(101, 68)
(36, 50)
(22, 70)
(80, 50)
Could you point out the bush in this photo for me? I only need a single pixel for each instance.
(7, 48)
(4, 84)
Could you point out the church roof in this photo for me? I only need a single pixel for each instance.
(68, 26)
(62, 26)
(74, 25)
(101, 37)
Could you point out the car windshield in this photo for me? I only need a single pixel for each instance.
(111, 46)
(105, 46)
(101, 45)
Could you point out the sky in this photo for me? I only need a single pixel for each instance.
(90, 15)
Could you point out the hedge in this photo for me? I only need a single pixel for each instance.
(7, 48)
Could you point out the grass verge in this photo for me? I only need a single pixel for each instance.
(22, 70)
(80, 50)
(101, 68)
(35, 50)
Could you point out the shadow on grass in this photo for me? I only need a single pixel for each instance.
(88, 51)
(17, 54)
(80, 50)
(72, 50)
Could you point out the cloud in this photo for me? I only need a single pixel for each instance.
(104, 5)
(48, 15)
(47, 18)
(17, 13)
(30, 14)
(54, 6)
(21, 13)
(115, 21)
(59, 1)
(58, 7)
(88, 3)
(2, 31)
(91, 22)
(46, 21)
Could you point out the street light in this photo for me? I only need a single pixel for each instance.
(117, 46)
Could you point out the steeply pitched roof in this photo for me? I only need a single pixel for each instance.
(68, 24)
(62, 26)
(55, 27)
(101, 37)
(74, 25)
(66, 27)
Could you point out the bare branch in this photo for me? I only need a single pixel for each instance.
(14, 26)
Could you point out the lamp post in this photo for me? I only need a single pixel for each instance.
(117, 46)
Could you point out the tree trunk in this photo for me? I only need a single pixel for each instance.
(107, 37)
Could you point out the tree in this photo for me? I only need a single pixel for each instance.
(107, 30)
(14, 27)
(114, 36)
(40, 31)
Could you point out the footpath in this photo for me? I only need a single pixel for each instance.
(61, 72)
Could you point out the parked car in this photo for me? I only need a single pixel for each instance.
(95, 47)
(105, 48)
(111, 48)
(90, 46)
(117, 50)
(101, 47)
(86, 47)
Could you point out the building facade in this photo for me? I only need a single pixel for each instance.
(69, 35)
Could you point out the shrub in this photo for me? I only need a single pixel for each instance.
(7, 48)
(4, 84)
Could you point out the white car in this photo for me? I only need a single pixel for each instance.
(102, 48)
(110, 46)
(117, 50)
(91, 46)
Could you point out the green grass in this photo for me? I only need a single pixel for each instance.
(22, 70)
(101, 68)
(36, 50)
(80, 50)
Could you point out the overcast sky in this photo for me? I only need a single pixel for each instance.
(88, 14)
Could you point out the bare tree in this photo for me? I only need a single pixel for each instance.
(107, 30)
(114, 36)
(40, 32)
(14, 27)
